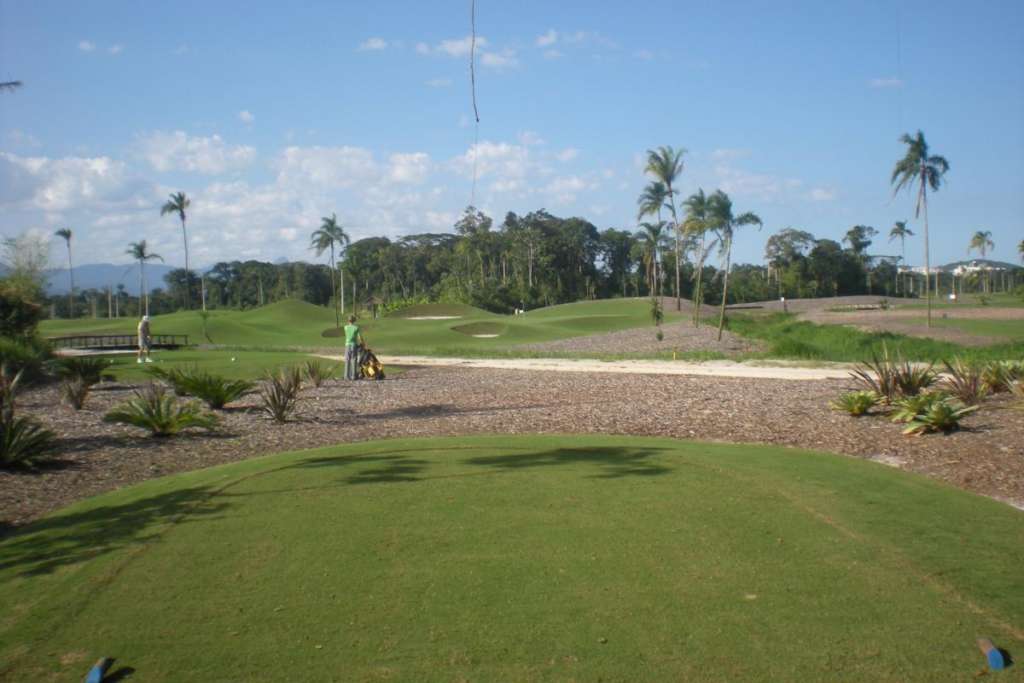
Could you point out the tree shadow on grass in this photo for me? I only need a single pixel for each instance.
(67, 539)
(611, 462)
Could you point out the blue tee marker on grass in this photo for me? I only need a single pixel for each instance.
(98, 670)
(992, 654)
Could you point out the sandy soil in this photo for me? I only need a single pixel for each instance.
(988, 457)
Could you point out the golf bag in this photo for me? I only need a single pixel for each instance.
(369, 366)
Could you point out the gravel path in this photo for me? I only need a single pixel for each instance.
(96, 457)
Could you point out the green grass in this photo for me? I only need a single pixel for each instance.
(246, 364)
(1011, 329)
(520, 559)
(788, 338)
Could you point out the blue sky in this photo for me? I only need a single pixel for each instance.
(271, 115)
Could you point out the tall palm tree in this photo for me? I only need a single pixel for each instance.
(1020, 250)
(140, 252)
(329, 234)
(982, 242)
(179, 204)
(10, 85)
(918, 167)
(651, 238)
(665, 164)
(697, 223)
(723, 220)
(651, 200)
(65, 234)
(901, 232)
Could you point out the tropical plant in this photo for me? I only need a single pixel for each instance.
(178, 204)
(901, 232)
(140, 252)
(943, 415)
(725, 223)
(651, 200)
(918, 167)
(89, 369)
(965, 380)
(892, 377)
(28, 354)
(1020, 250)
(65, 234)
(74, 391)
(665, 164)
(176, 377)
(154, 409)
(650, 238)
(23, 441)
(280, 392)
(317, 372)
(999, 376)
(697, 223)
(657, 314)
(909, 407)
(856, 403)
(214, 390)
(329, 234)
(981, 241)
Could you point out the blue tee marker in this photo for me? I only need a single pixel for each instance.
(992, 654)
(98, 670)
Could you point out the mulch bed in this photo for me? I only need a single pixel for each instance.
(987, 457)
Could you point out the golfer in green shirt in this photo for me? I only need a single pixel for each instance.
(353, 340)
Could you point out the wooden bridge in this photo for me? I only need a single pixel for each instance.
(117, 341)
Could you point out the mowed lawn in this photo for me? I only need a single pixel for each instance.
(520, 559)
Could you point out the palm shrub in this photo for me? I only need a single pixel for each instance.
(214, 390)
(944, 415)
(280, 393)
(161, 413)
(23, 441)
(74, 391)
(177, 378)
(317, 372)
(856, 403)
(965, 380)
(25, 353)
(87, 368)
(999, 376)
(892, 377)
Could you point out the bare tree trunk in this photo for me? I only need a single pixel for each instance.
(188, 273)
(341, 278)
(71, 280)
(927, 257)
(698, 294)
(110, 303)
(725, 287)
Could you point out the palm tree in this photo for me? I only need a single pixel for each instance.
(696, 223)
(10, 85)
(723, 220)
(1020, 250)
(65, 233)
(651, 238)
(982, 242)
(665, 164)
(139, 252)
(651, 200)
(178, 204)
(901, 232)
(926, 171)
(324, 238)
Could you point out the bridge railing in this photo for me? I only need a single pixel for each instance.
(117, 341)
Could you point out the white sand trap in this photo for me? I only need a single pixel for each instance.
(434, 317)
(486, 336)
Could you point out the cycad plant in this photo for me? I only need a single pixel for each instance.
(154, 409)
(214, 390)
(943, 415)
(23, 441)
(280, 393)
(318, 372)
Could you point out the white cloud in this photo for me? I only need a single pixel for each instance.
(326, 167)
(288, 234)
(567, 154)
(115, 49)
(86, 46)
(890, 82)
(529, 138)
(822, 194)
(499, 60)
(455, 47)
(374, 44)
(422, 48)
(409, 168)
(19, 138)
(644, 54)
(547, 39)
(729, 154)
(563, 190)
(181, 152)
(501, 160)
(56, 185)
(438, 83)
(764, 187)
(246, 116)
(552, 54)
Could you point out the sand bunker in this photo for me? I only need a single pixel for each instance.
(434, 317)
(485, 336)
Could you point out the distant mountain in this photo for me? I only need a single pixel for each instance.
(102, 275)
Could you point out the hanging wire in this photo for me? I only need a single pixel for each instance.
(472, 85)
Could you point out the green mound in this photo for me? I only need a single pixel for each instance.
(472, 329)
(429, 310)
(519, 558)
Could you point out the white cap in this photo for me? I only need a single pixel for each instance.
(145, 318)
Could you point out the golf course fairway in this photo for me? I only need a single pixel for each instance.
(520, 558)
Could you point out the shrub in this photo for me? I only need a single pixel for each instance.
(23, 441)
(214, 390)
(27, 353)
(162, 414)
(657, 314)
(943, 415)
(856, 403)
(74, 391)
(19, 317)
(89, 369)
(317, 372)
(280, 393)
(965, 381)
(659, 335)
(909, 407)
(998, 376)
(892, 377)
(175, 377)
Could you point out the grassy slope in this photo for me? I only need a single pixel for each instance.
(526, 558)
(246, 364)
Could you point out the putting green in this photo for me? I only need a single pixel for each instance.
(520, 559)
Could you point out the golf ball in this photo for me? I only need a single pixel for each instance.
(232, 359)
